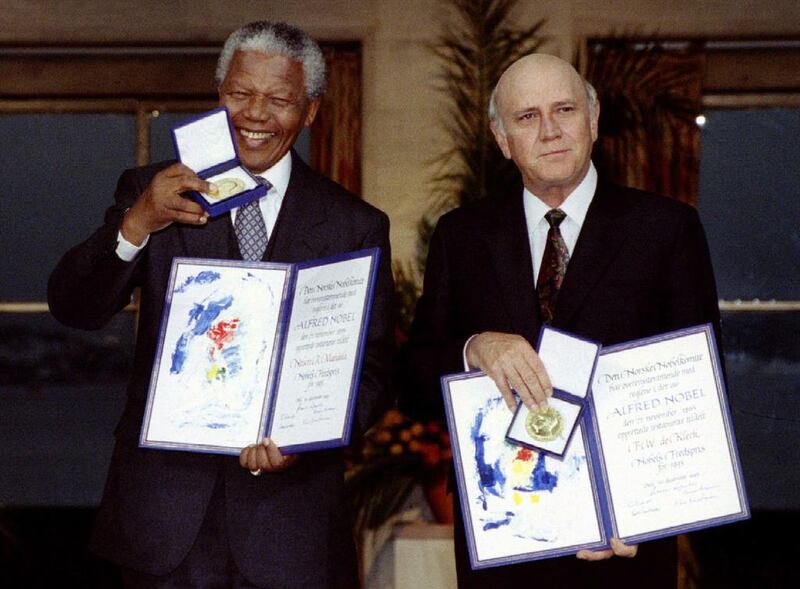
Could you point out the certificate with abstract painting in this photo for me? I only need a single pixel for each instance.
(218, 373)
(652, 455)
(518, 504)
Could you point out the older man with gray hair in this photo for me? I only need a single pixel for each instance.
(571, 250)
(179, 519)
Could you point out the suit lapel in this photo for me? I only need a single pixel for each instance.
(299, 231)
(599, 241)
(510, 255)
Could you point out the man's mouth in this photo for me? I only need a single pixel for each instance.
(256, 135)
(555, 152)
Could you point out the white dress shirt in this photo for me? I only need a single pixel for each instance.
(270, 205)
(575, 206)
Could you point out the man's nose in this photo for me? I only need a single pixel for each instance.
(257, 108)
(549, 128)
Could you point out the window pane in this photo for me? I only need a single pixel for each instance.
(763, 369)
(61, 389)
(59, 175)
(749, 179)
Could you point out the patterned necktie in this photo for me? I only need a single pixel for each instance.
(554, 265)
(250, 229)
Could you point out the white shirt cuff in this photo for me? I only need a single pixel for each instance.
(467, 367)
(126, 251)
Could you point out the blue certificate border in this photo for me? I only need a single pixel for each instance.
(733, 453)
(475, 562)
(201, 263)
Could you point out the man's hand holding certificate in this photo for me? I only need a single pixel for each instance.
(642, 448)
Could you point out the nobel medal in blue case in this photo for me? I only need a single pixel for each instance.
(205, 144)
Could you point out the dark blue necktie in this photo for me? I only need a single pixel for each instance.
(250, 229)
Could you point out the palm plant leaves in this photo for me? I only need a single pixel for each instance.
(649, 98)
(478, 45)
(637, 90)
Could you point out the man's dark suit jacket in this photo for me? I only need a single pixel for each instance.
(287, 529)
(640, 267)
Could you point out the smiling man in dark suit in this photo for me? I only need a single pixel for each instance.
(605, 262)
(178, 519)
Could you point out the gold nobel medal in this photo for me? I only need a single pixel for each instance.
(544, 425)
(226, 187)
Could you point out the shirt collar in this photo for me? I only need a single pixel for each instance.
(278, 175)
(575, 205)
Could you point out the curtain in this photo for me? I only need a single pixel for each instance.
(649, 100)
(336, 132)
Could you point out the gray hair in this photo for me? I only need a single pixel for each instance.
(591, 95)
(281, 38)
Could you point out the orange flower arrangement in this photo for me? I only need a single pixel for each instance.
(393, 456)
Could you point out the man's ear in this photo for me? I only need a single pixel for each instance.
(502, 140)
(311, 112)
(595, 121)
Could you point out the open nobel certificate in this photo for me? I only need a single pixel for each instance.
(652, 455)
(255, 349)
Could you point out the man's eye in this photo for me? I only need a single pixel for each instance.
(238, 95)
(566, 109)
(527, 116)
(280, 102)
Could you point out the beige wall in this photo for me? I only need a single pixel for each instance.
(401, 133)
